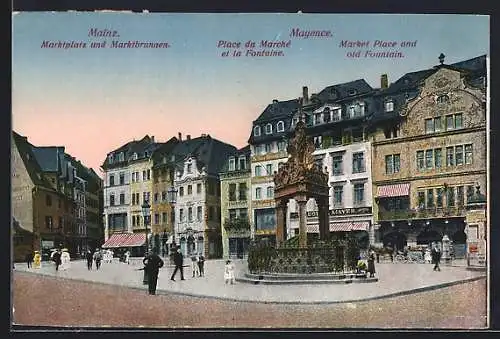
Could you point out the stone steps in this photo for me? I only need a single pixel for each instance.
(304, 281)
(313, 278)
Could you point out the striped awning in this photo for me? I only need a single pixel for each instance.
(312, 228)
(397, 190)
(134, 240)
(340, 226)
(360, 226)
(115, 240)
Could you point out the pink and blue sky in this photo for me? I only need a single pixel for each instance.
(94, 100)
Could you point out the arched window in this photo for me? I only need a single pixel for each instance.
(256, 131)
(269, 129)
(280, 127)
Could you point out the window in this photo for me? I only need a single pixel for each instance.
(459, 155)
(421, 199)
(450, 196)
(242, 163)
(430, 198)
(392, 163)
(156, 197)
(270, 192)
(449, 156)
(111, 180)
(122, 178)
(470, 192)
(268, 148)
(442, 99)
(420, 160)
(468, 154)
(133, 176)
(112, 200)
(198, 188)
(181, 214)
(48, 200)
(450, 122)
(122, 198)
(146, 196)
(243, 192)
(460, 196)
(133, 198)
(144, 175)
(133, 220)
(164, 218)
(243, 213)
(232, 164)
(157, 218)
(258, 193)
(359, 190)
(181, 191)
(358, 162)
(346, 136)
(458, 121)
(280, 127)
(437, 124)
(48, 222)
(337, 165)
(211, 213)
(437, 157)
(258, 171)
(121, 157)
(389, 106)
(232, 214)
(269, 129)
(110, 158)
(199, 213)
(337, 196)
(256, 131)
(326, 115)
(190, 189)
(269, 169)
(190, 214)
(351, 111)
(148, 174)
(429, 158)
(189, 168)
(439, 197)
(429, 126)
(137, 198)
(232, 192)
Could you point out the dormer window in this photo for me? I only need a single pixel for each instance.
(256, 131)
(110, 158)
(232, 164)
(164, 160)
(269, 129)
(280, 127)
(353, 92)
(172, 158)
(146, 154)
(243, 163)
(336, 114)
(326, 115)
(189, 168)
(121, 157)
(134, 156)
(389, 106)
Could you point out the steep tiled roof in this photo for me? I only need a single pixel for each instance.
(48, 157)
(344, 90)
(278, 109)
(26, 151)
(242, 151)
(136, 146)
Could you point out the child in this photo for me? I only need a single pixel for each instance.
(229, 272)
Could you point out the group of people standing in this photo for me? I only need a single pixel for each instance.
(96, 257)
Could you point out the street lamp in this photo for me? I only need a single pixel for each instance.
(172, 199)
(145, 214)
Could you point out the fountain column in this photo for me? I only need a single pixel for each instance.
(302, 201)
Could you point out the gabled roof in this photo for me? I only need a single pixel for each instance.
(34, 170)
(164, 150)
(277, 109)
(136, 146)
(345, 90)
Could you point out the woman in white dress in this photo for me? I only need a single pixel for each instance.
(229, 272)
(65, 259)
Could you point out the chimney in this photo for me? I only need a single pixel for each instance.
(384, 81)
(305, 95)
(203, 135)
(152, 139)
(188, 137)
(180, 136)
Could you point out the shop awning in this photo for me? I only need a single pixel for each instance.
(115, 240)
(340, 226)
(397, 190)
(134, 240)
(312, 228)
(360, 226)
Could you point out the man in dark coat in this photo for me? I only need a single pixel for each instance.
(371, 263)
(152, 264)
(178, 261)
(201, 265)
(57, 259)
(90, 258)
(29, 259)
(436, 258)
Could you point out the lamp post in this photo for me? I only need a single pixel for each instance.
(145, 214)
(172, 199)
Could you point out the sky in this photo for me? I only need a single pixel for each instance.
(94, 100)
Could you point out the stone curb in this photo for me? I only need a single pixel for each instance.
(332, 302)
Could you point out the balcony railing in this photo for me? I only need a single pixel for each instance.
(237, 224)
(436, 212)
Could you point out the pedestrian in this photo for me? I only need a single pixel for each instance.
(37, 260)
(90, 258)
(57, 259)
(178, 261)
(127, 257)
(194, 265)
(65, 259)
(97, 258)
(371, 263)
(152, 264)
(29, 259)
(229, 272)
(436, 257)
(201, 265)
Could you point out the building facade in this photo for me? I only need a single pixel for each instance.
(235, 183)
(429, 154)
(268, 145)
